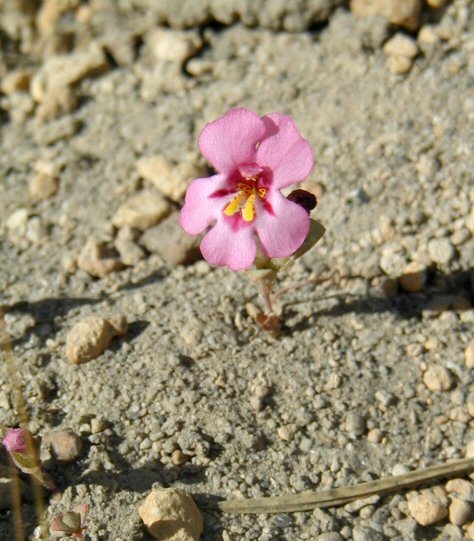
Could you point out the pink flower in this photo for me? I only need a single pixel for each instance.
(255, 157)
(14, 441)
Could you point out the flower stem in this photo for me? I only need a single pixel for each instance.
(265, 288)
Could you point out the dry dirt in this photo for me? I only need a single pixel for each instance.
(341, 396)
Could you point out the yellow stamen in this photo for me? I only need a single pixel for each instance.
(234, 205)
(262, 192)
(248, 212)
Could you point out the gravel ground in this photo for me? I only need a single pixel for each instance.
(349, 391)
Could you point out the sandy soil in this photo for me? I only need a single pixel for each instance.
(341, 397)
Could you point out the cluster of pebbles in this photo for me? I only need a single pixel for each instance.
(142, 367)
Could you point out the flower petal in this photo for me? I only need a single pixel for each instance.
(284, 151)
(231, 139)
(231, 247)
(282, 231)
(205, 200)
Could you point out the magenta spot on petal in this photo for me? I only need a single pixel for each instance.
(220, 193)
(267, 206)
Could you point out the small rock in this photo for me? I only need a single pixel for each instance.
(401, 45)
(171, 515)
(91, 336)
(398, 64)
(330, 536)
(130, 252)
(426, 508)
(17, 222)
(427, 36)
(357, 505)
(97, 259)
(441, 251)
(172, 180)
(366, 534)
(470, 449)
(57, 103)
(438, 378)
(16, 81)
(469, 355)
(460, 236)
(287, 432)
(62, 71)
(355, 423)
(171, 242)
(178, 458)
(436, 4)
(97, 425)
(462, 489)
(470, 531)
(413, 278)
(375, 435)
(50, 12)
(459, 512)
(142, 211)
(173, 45)
(43, 186)
(405, 13)
(65, 445)
(400, 469)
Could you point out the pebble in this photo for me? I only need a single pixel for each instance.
(404, 13)
(142, 211)
(441, 251)
(98, 259)
(459, 512)
(462, 489)
(400, 469)
(172, 180)
(171, 242)
(357, 505)
(50, 12)
(17, 222)
(65, 445)
(460, 236)
(427, 508)
(173, 45)
(330, 536)
(414, 277)
(366, 534)
(287, 432)
(16, 81)
(401, 45)
(62, 71)
(375, 435)
(470, 449)
(55, 104)
(438, 378)
(91, 336)
(470, 531)
(129, 251)
(436, 4)
(171, 515)
(469, 355)
(43, 186)
(355, 423)
(398, 64)
(427, 36)
(178, 458)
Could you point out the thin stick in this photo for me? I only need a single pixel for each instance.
(338, 496)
